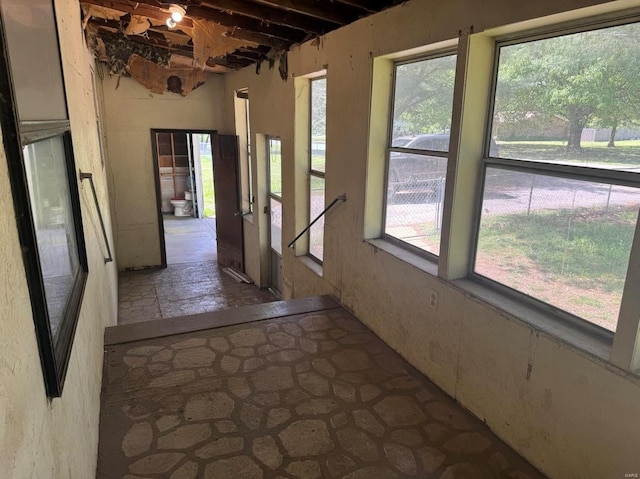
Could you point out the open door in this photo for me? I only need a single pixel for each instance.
(226, 179)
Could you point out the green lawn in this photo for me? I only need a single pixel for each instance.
(576, 260)
(591, 248)
(207, 186)
(624, 153)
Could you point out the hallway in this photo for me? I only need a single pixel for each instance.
(290, 395)
(192, 282)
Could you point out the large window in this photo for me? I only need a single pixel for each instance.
(561, 183)
(317, 160)
(37, 142)
(417, 151)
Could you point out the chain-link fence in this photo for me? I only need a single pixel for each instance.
(414, 214)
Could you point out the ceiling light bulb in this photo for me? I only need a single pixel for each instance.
(177, 12)
(171, 23)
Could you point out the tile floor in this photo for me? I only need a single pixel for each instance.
(192, 283)
(313, 395)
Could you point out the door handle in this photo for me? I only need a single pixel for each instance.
(242, 213)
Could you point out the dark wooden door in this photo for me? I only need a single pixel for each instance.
(226, 172)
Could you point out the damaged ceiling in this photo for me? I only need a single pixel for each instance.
(134, 39)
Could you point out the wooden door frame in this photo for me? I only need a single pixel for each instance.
(156, 176)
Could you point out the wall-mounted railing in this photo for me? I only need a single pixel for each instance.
(342, 197)
(89, 176)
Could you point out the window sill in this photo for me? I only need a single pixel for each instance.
(312, 265)
(415, 260)
(593, 346)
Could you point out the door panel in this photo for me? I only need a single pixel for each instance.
(227, 187)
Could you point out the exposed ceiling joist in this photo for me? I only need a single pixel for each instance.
(137, 8)
(246, 23)
(322, 10)
(272, 15)
(368, 6)
(220, 34)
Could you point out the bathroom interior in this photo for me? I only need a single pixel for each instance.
(184, 166)
(184, 175)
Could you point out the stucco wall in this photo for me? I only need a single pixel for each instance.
(131, 112)
(41, 438)
(575, 415)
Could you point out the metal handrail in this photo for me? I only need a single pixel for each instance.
(89, 176)
(342, 197)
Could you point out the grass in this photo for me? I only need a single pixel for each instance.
(589, 248)
(575, 260)
(207, 186)
(625, 152)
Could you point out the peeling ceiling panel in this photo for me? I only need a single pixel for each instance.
(214, 35)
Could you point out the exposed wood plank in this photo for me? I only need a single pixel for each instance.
(272, 15)
(249, 55)
(166, 327)
(327, 11)
(246, 23)
(240, 24)
(368, 6)
(137, 8)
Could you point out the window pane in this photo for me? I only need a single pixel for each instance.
(275, 167)
(422, 104)
(318, 123)
(53, 219)
(565, 242)
(35, 59)
(275, 208)
(571, 99)
(415, 194)
(316, 233)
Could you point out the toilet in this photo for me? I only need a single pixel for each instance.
(179, 207)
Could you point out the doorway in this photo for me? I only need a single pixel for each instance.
(274, 200)
(183, 165)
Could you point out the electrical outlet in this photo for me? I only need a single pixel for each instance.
(433, 300)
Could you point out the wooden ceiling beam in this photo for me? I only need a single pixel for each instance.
(327, 11)
(137, 8)
(368, 6)
(272, 15)
(157, 14)
(246, 23)
(149, 9)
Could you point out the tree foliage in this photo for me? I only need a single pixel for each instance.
(587, 78)
(424, 96)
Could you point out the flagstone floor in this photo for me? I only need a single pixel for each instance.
(192, 282)
(310, 396)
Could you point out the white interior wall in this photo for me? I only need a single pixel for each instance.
(559, 415)
(131, 112)
(41, 438)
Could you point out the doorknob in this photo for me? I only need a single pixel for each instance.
(265, 210)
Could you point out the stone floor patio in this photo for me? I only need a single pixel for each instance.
(192, 282)
(314, 395)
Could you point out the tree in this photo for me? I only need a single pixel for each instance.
(584, 77)
(423, 96)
